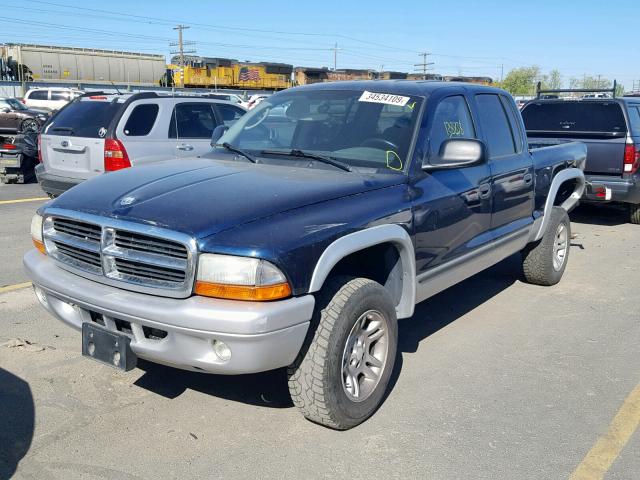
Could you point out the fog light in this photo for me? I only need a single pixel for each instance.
(41, 296)
(222, 350)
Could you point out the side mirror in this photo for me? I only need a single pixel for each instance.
(217, 134)
(456, 153)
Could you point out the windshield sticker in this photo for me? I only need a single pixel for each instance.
(394, 162)
(454, 129)
(386, 98)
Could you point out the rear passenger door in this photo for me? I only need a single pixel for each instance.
(142, 135)
(190, 128)
(510, 163)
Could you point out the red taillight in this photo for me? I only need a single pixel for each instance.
(631, 158)
(39, 148)
(8, 146)
(115, 155)
(97, 97)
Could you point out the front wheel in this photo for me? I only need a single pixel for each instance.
(544, 262)
(634, 213)
(29, 126)
(341, 374)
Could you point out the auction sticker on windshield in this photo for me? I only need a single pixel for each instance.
(386, 98)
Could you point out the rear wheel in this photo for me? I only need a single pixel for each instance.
(544, 262)
(341, 374)
(634, 213)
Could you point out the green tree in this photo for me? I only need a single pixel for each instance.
(553, 81)
(521, 81)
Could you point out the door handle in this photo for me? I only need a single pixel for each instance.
(485, 190)
(528, 178)
(185, 147)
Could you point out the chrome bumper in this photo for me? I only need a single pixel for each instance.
(261, 335)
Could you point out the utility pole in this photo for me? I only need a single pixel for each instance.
(424, 65)
(335, 56)
(501, 72)
(181, 51)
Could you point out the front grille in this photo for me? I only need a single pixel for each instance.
(152, 272)
(144, 243)
(77, 229)
(78, 254)
(123, 254)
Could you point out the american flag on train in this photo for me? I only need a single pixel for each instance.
(247, 74)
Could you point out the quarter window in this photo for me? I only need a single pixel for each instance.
(192, 120)
(59, 96)
(495, 125)
(452, 119)
(141, 120)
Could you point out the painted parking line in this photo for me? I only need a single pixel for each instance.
(600, 458)
(23, 200)
(17, 286)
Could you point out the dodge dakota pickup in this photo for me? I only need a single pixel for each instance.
(317, 221)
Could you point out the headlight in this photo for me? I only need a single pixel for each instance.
(240, 278)
(36, 232)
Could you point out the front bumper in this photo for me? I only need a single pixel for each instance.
(626, 190)
(261, 335)
(54, 185)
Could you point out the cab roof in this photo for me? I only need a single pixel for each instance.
(420, 88)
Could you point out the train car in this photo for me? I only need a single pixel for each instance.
(209, 72)
(27, 62)
(389, 75)
(462, 78)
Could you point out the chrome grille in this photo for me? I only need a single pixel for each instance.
(132, 256)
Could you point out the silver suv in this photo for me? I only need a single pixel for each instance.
(101, 132)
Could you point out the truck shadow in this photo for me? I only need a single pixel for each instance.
(267, 389)
(608, 214)
(17, 421)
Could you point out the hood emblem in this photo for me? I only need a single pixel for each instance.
(127, 201)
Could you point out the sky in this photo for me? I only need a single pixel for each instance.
(484, 38)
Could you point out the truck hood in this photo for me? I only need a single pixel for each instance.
(202, 197)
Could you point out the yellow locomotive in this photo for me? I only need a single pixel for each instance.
(207, 72)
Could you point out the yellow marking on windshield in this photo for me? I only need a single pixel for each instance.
(392, 154)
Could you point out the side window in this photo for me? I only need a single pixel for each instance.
(38, 95)
(451, 119)
(634, 118)
(141, 120)
(517, 134)
(495, 125)
(192, 120)
(229, 114)
(59, 96)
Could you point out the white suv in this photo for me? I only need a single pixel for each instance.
(50, 98)
(101, 132)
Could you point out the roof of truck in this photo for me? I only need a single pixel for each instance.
(398, 87)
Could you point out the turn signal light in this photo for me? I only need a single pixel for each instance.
(40, 246)
(242, 292)
(115, 155)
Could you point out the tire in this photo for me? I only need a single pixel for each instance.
(29, 125)
(317, 382)
(544, 262)
(634, 213)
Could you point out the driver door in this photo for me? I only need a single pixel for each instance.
(452, 207)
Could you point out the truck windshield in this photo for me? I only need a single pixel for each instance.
(574, 116)
(368, 131)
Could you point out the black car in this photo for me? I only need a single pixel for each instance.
(15, 117)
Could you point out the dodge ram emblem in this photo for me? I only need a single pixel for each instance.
(127, 201)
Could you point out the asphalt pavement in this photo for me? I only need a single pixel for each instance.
(496, 379)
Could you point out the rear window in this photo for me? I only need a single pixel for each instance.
(141, 120)
(591, 117)
(84, 119)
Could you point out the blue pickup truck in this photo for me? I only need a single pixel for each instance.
(316, 222)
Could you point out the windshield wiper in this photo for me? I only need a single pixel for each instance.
(233, 149)
(302, 154)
